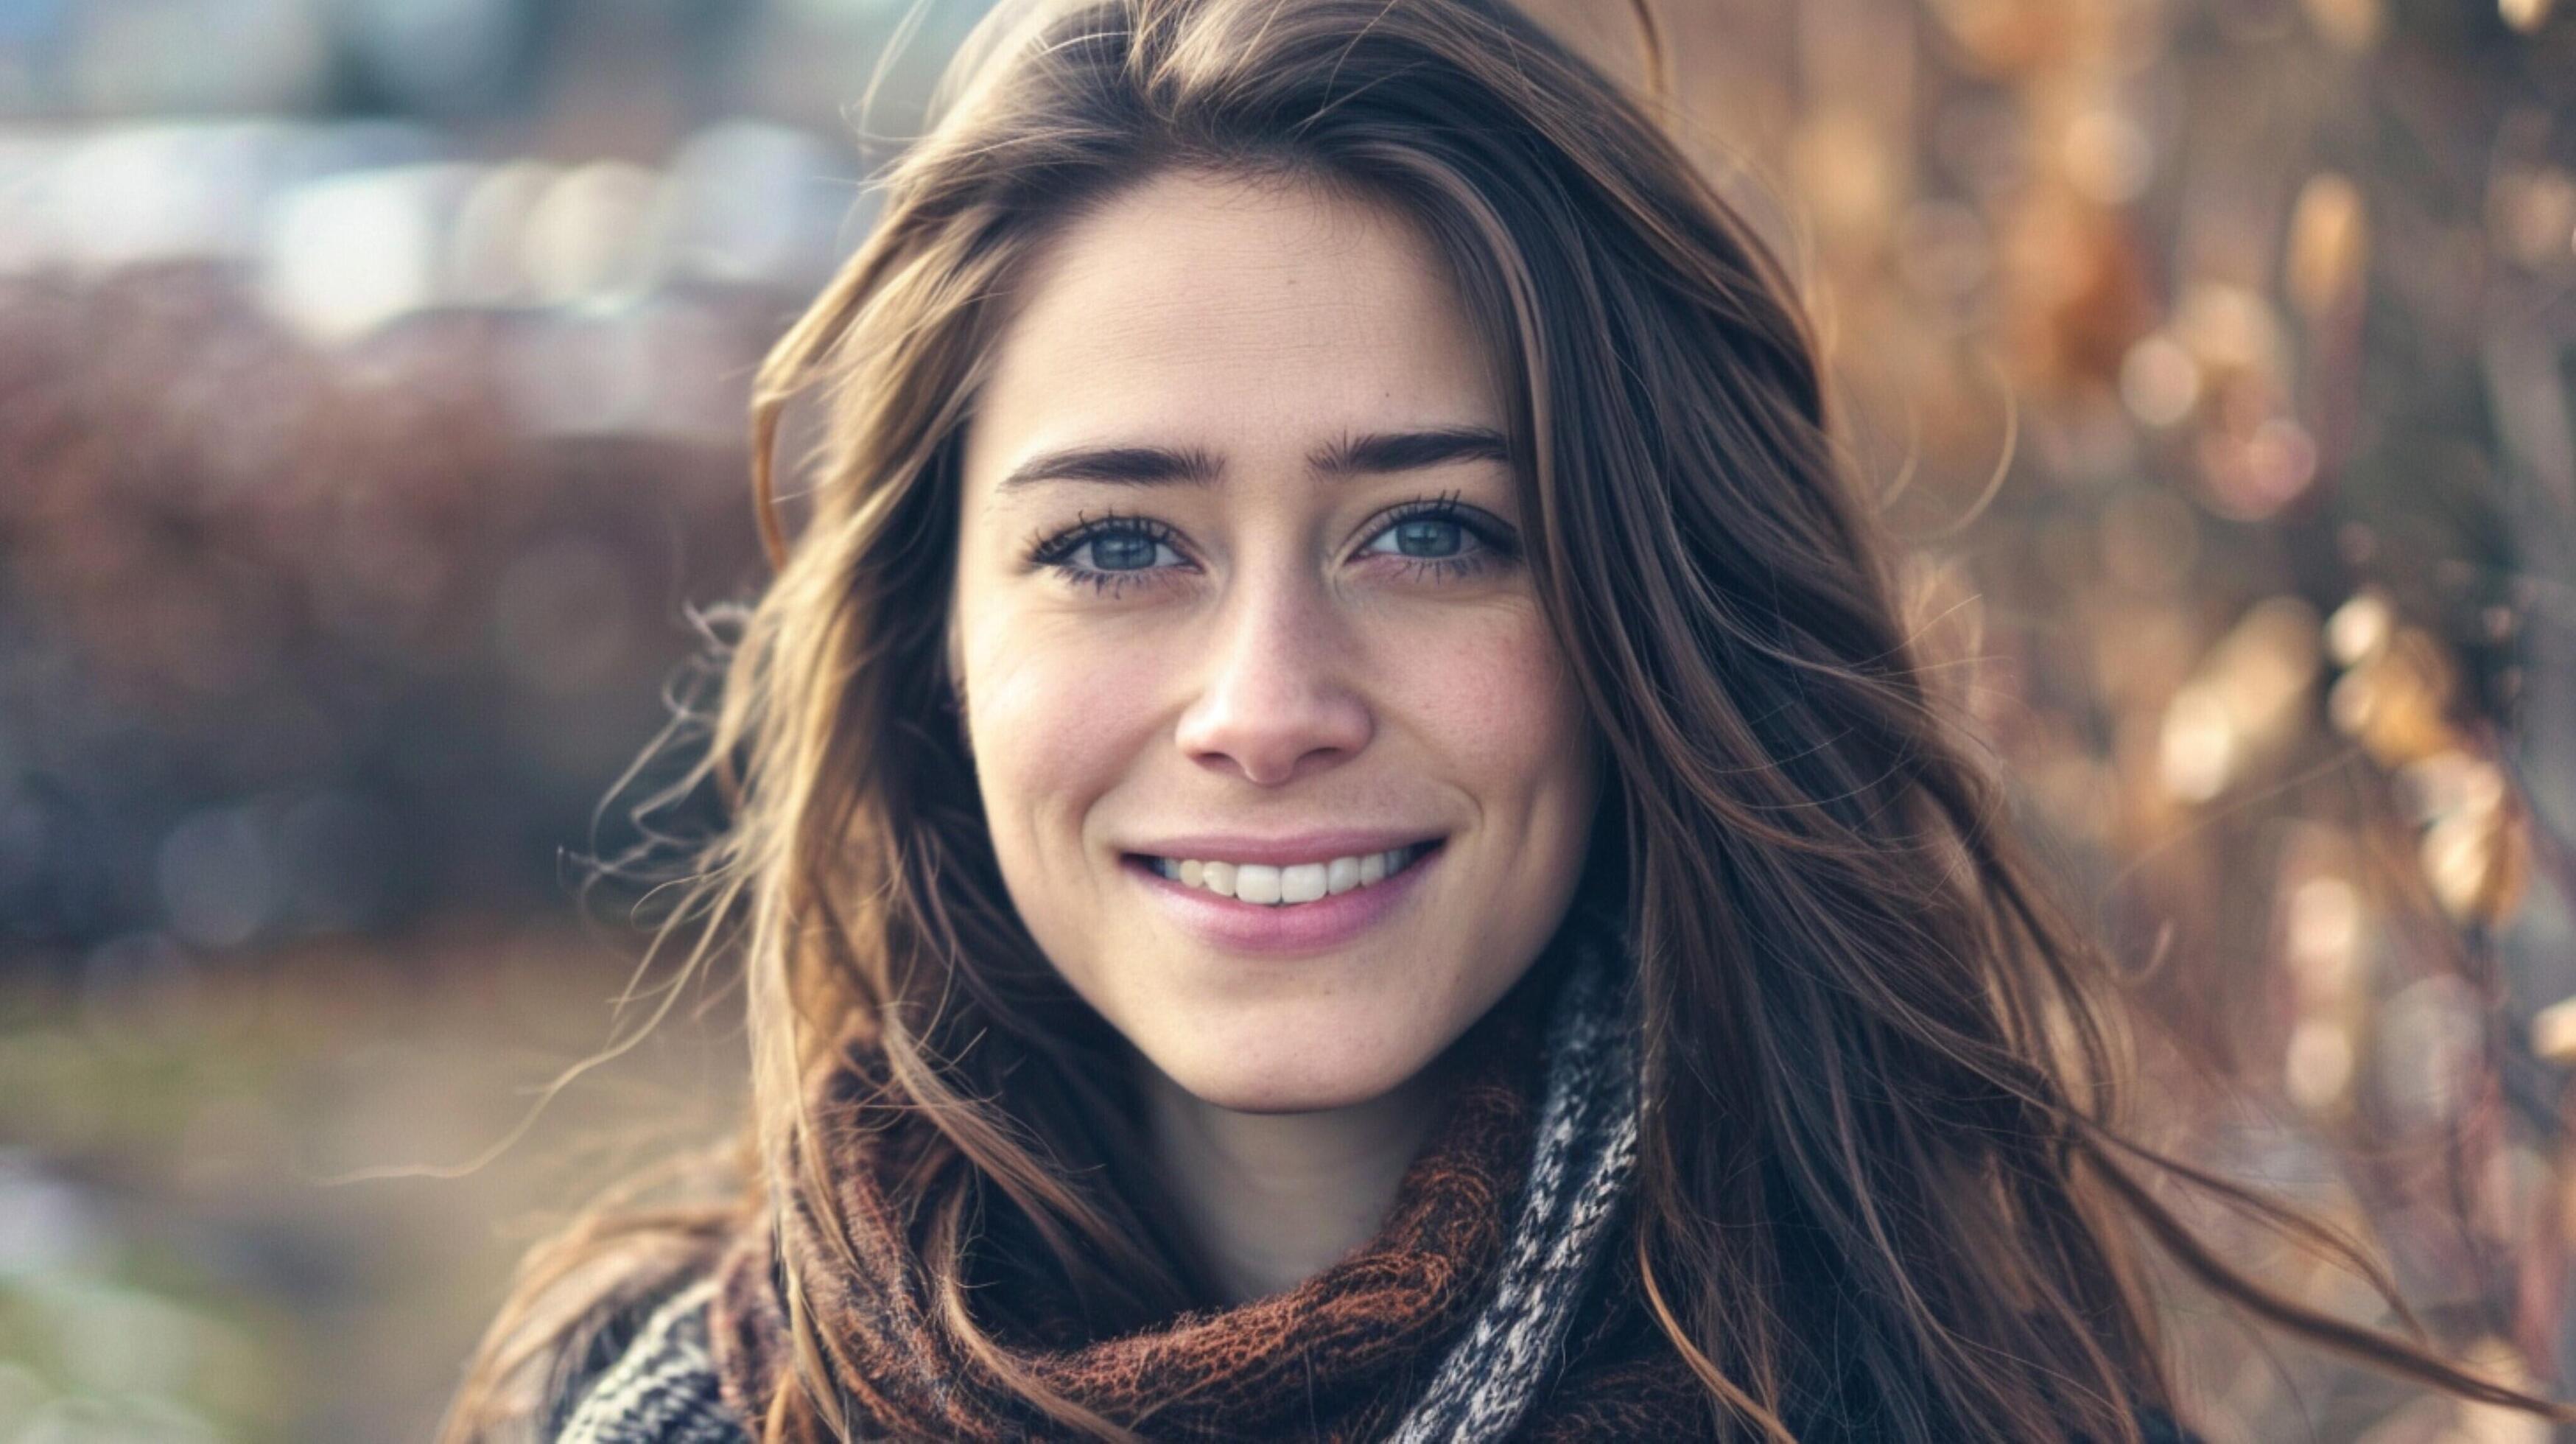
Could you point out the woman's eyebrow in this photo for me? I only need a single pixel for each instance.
(1409, 450)
(1374, 452)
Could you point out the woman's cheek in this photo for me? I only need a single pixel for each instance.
(1490, 687)
(1055, 714)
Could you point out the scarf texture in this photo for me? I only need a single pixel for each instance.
(1484, 1308)
(1495, 1301)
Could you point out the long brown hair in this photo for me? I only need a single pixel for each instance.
(1882, 1173)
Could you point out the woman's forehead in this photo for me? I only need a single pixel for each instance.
(1199, 310)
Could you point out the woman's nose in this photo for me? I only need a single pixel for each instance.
(1276, 696)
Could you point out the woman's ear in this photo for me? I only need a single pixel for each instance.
(953, 678)
(953, 665)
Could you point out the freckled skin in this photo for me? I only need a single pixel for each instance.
(1277, 667)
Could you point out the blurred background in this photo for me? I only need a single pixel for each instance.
(372, 379)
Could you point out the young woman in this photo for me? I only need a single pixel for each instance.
(1335, 834)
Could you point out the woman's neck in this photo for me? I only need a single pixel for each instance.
(1272, 1199)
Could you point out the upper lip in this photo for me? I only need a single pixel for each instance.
(1282, 849)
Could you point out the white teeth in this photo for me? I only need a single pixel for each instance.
(1303, 882)
(1256, 883)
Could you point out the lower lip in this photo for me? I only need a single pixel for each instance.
(1291, 928)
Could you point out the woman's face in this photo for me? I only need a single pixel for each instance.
(1238, 596)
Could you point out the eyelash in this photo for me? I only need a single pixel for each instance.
(1493, 544)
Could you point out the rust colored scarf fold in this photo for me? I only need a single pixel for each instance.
(1339, 1357)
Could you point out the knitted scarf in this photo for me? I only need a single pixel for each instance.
(1482, 1309)
(1495, 1302)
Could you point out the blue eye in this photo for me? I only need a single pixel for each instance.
(1441, 537)
(1436, 536)
(1123, 551)
(1121, 548)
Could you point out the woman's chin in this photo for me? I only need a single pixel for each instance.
(1300, 1070)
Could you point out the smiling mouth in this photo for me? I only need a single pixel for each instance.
(1292, 885)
